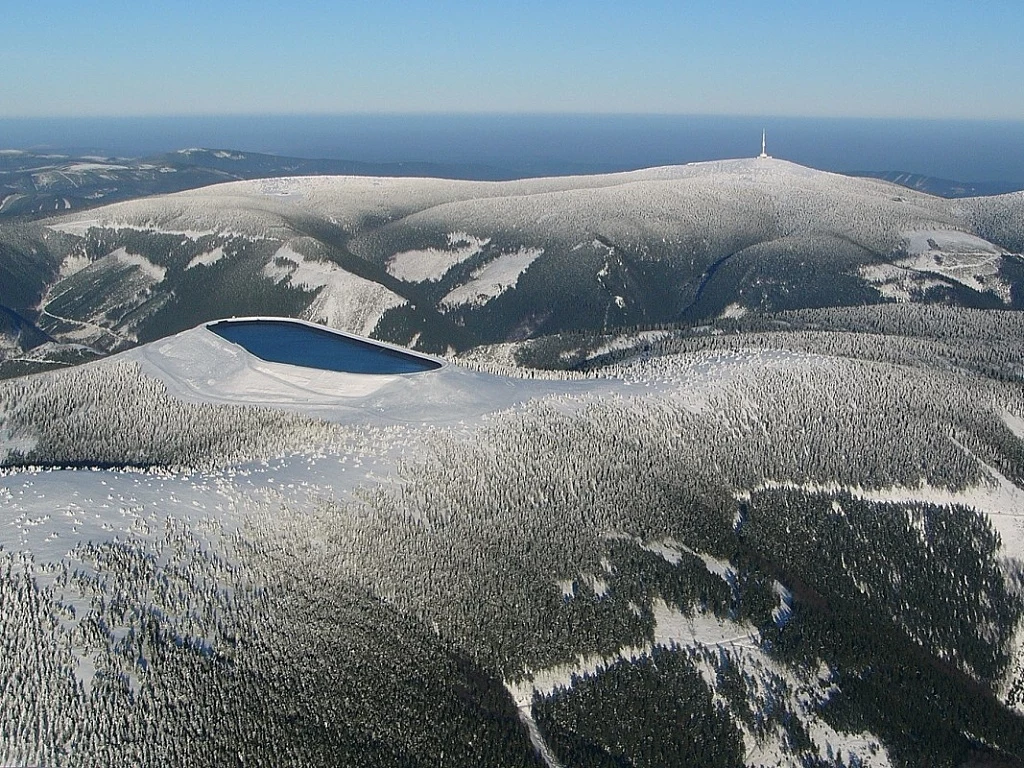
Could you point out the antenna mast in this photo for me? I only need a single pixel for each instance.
(764, 153)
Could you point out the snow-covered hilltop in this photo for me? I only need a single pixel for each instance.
(664, 201)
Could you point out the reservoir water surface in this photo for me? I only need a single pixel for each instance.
(294, 343)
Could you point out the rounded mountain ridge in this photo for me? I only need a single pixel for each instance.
(438, 264)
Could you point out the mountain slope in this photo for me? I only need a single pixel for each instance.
(753, 537)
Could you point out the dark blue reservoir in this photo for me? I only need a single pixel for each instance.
(293, 343)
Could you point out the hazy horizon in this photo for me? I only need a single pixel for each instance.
(532, 88)
(542, 144)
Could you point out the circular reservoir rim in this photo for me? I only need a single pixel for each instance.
(440, 362)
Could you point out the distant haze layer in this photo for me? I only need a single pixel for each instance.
(539, 145)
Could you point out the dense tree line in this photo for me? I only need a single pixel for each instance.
(929, 337)
(111, 415)
(652, 713)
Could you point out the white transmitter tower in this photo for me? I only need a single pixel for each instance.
(764, 155)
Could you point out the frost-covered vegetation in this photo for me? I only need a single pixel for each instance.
(168, 653)
(109, 415)
(628, 548)
(931, 337)
(481, 539)
(799, 554)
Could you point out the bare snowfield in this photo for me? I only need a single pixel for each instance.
(898, 282)
(81, 226)
(434, 263)
(344, 300)
(493, 279)
(206, 259)
(957, 256)
(152, 271)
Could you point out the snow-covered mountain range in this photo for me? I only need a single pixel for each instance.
(737, 478)
(36, 184)
(441, 264)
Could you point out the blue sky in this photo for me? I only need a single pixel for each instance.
(934, 59)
